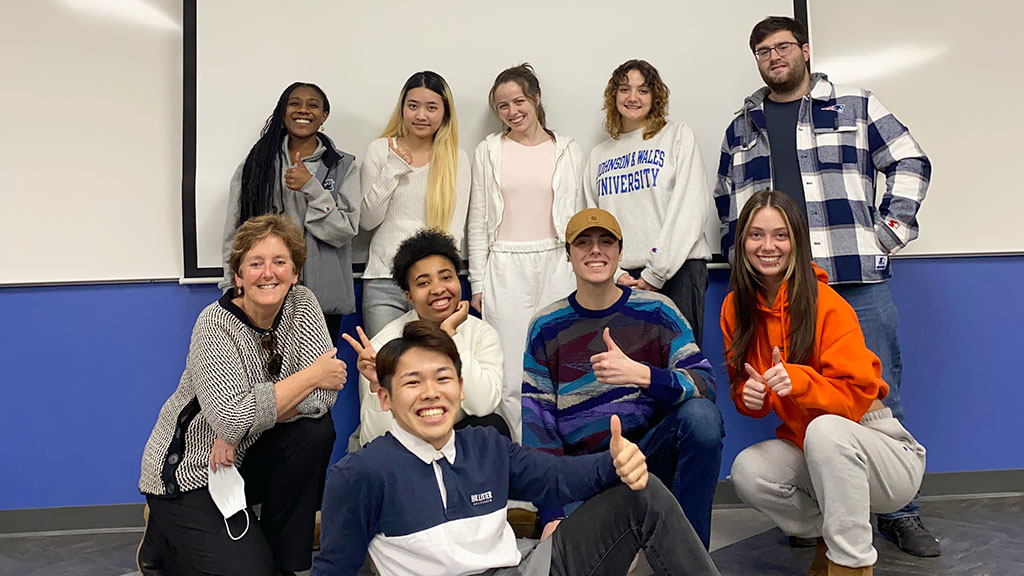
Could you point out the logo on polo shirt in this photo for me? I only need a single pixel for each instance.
(481, 498)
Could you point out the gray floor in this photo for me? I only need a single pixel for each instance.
(980, 537)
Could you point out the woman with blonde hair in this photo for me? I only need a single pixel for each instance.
(649, 173)
(413, 176)
(527, 183)
(794, 347)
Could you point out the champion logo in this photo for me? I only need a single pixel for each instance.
(654, 250)
(481, 498)
(834, 108)
(894, 224)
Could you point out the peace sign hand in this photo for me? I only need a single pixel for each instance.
(366, 362)
(400, 151)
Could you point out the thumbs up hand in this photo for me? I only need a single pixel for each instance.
(777, 378)
(630, 462)
(296, 176)
(614, 367)
(754, 389)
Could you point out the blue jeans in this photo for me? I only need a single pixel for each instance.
(684, 451)
(879, 319)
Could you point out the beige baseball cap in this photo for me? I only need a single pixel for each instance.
(592, 218)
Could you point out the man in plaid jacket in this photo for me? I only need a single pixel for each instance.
(824, 145)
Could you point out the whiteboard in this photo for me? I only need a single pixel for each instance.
(361, 53)
(91, 140)
(949, 71)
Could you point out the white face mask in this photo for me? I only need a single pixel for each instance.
(228, 492)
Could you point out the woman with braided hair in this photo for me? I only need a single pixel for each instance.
(296, 170)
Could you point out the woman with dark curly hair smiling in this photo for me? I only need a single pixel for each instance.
(426, 267)
(649, 173)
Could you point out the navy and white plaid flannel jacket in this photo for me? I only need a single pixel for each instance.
(845, 136)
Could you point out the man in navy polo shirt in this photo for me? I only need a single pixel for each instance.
(426, 500)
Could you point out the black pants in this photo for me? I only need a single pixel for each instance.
(333, 326)
(686, 290)
(605, 533)
(491, 420)
(284, 471)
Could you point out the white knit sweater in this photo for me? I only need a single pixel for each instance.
(395, 203)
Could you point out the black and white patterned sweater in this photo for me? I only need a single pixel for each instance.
(226, 390)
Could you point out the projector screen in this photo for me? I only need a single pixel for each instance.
(361, 53)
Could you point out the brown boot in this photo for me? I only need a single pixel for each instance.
(837, 570)
(819, 566)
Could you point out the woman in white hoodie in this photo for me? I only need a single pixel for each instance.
(527, 183)
(650, 175)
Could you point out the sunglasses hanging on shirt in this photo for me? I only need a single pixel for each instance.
(269, 343)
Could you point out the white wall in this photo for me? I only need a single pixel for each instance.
(90, 147)
(361, 54)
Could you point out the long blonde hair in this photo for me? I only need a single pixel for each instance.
(444, 151)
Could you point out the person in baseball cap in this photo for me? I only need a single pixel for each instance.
(609, 343)
(591, 218)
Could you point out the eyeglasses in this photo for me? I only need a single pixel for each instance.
(269, 343)
(783, 49)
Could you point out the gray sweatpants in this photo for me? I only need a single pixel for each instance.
(846, 472)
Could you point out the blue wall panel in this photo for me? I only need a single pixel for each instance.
(86, 368)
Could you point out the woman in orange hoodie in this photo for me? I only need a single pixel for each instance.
(793, 346)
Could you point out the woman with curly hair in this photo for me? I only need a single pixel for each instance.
(426, 269)
(649, 173)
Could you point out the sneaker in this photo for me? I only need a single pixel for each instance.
(910, 534)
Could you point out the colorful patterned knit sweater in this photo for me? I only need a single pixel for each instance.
(565, 409)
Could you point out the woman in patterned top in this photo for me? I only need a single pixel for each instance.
(259, 383)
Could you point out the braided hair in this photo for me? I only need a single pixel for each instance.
(261, 171)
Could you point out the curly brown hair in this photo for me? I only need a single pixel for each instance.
(656, 118)
(255, 229)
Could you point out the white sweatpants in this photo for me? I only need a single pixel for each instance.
(847, 471)
(520, 279)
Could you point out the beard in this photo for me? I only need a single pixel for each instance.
(788, 82)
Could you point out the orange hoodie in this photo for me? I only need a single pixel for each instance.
(841, 376)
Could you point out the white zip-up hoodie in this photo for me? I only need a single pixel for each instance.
(486, 204)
